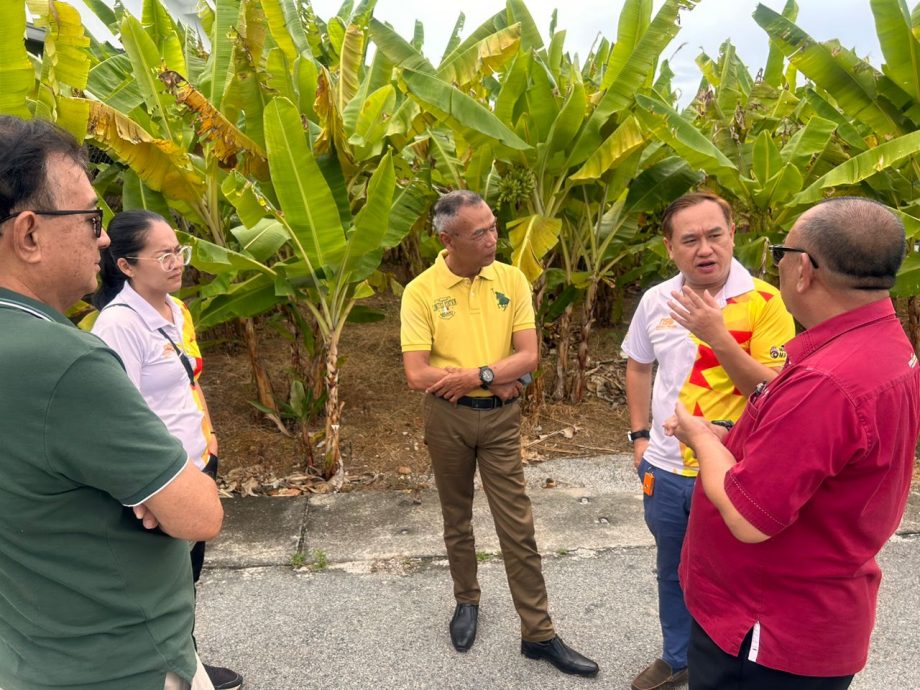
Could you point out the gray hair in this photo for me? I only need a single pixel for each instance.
(447, 207)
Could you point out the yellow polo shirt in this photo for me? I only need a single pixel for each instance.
(465, 322)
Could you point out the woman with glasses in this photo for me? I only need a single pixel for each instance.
(153, 333)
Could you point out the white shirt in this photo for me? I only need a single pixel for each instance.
(154, 366)
(654, 336)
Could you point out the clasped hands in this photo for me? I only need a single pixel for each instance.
(458, 382)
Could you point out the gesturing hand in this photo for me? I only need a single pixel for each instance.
(699, 314)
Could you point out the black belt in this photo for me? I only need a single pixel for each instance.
(483, 403)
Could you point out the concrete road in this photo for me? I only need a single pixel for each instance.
(376, 615)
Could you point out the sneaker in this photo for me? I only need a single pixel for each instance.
(659, 674)
(223, 678)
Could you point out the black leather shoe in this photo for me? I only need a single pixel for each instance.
(560, 655)
(463, 626)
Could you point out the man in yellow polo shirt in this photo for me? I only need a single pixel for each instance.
(467, 336)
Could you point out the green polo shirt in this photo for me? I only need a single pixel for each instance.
(88, 597)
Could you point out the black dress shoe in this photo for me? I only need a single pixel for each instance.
(463, 626)
(560, 655)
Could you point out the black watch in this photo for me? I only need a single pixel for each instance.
(486, 377)
(634, 435)
(725, 423)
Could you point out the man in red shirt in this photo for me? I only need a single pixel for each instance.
(778, 567)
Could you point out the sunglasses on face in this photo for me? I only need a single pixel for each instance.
(778, 250)
(95, 216)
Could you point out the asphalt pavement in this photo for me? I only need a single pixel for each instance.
(353, 591)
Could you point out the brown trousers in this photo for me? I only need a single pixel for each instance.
(458, 437)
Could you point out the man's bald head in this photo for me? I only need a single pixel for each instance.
(858, 239)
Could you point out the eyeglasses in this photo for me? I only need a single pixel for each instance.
(777, 251)
(169, 260)
(95, 217)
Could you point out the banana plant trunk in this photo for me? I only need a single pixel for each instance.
(333, 471)
(913, 321)
(581, 372)
(563, 336)
(259, 375)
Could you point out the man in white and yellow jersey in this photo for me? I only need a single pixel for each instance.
(467, 336)
(716, 334)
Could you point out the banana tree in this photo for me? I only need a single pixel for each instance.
(878, 113)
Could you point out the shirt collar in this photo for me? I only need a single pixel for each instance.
(38, 309)
(449, 279)
(150, 316)
(739, 282)
(816, 337)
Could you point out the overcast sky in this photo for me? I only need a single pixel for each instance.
(705, 27)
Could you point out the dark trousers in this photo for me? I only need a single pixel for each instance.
(197, 552)
(713, 669)
(458, 439)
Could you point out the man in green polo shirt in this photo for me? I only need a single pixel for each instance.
(91, 594)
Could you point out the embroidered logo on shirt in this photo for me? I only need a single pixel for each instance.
(443, 307)
(666, 324)
(502, 299)
(778, 352)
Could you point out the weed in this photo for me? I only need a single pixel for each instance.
(298, 560)
(320, 560)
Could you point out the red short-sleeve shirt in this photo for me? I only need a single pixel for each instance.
(825, 454)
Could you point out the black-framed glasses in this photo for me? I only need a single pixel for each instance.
(777, 251)
(95, 216)
(170, 259)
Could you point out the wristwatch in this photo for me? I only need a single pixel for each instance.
(486, 377)
(634, 435)
(725, 423)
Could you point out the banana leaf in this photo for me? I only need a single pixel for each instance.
(490, 55)
(213, 80)
(410, 207)
(113, 82)
(625, 140)
(899, 45)
(862, 166)
(308, 206)
(397, 50)
(351, 63)
(159, 163)
(228, 144)
(263, 239)
(827, 66)
(475, 121)
(659, 184)
(773, 70)
(811, 140)
(454, 39)
(518, 13)
(248, 298)
(283, 18)
(65, 59)
(687, 141)
(531, 237)
(136, 195)
(163, 32)
(364, 248)
(635, 18)
(145, 61)
(17, 76)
